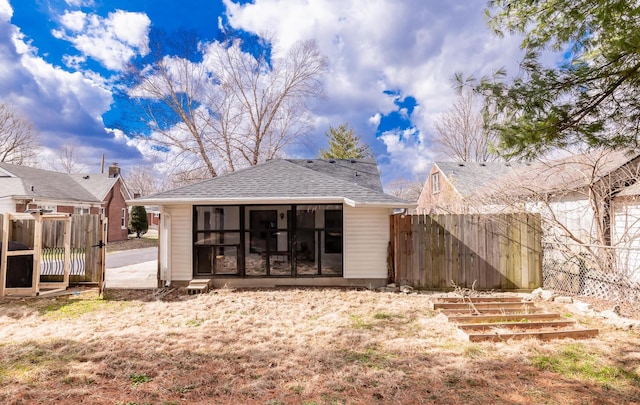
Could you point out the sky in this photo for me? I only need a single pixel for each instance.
(391, 64)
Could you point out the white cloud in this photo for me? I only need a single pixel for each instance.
(408, 154)
(74, 20)
(414, 46)
(113, 41)
(80, 3)
(64, 106)
(6, 12)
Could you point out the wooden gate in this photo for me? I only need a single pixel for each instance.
(83, 262)
(486, 252)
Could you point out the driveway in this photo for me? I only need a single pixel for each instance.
(134, 256)
(132, 269)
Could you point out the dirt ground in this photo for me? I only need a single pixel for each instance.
(313, 346)
(147, 240)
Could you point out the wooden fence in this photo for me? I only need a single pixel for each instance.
(86, 233)
(501, 252)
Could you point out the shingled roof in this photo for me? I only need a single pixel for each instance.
(99, 184)
(469, 177)
(296, 180)
(28, 182)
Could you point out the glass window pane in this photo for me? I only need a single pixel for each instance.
(217, 218)
(226, 260)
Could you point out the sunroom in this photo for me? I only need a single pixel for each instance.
(268, 240)
(283, 222)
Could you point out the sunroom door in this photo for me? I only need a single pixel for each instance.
(217, 241)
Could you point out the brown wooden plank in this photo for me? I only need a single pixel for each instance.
(565, 334)
(416, 251)
(427, 249)
(479, 299)
(441, 237)
(504, 317)
(420, 250)
(482, 305)
(503, 250)
(492, 275)
(537, 251)
(481, 252)
(522, 312)
(515, 325)
(515, 271)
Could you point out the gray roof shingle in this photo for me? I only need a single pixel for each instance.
(469, 177)
(37, 183)
(98, 184)
(363, 172)
(294, 179)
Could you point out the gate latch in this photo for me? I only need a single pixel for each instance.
(100, 245)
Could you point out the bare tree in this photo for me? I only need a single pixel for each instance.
(575, 197)
(461, 132)
(405, 189)
(67, 160)
(19, 141)
(143, 181)
(231, 109)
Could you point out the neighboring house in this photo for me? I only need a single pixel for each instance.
(626, 230)
(452, 186)
(282, 222)
(25, 188)
(110, 189)
(588, 199)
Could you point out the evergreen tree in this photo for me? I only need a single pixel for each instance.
(590, 98)
(138, 221)
(344, 144)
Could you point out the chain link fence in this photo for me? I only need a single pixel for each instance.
(604, 273)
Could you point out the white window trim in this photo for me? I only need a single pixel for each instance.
(123, 219)
(435, 182)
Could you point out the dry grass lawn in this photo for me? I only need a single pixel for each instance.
(291, 347)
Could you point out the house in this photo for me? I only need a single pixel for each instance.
(282, 222)
(451, 187)
(589, 199)
(110, 189)
(26, 188)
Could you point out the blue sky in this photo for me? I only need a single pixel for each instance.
(390, 66)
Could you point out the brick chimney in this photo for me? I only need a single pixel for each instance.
(114, 170)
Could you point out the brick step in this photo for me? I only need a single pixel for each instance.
(504, 317)
(562, 334)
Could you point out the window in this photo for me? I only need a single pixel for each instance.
(333, 231)
(435, 183)
(81, 211)
(217, 240)
(268, 240)
(123, 219)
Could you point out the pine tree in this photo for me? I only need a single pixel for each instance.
(590, 98)
(138, 221)
(344, 144)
